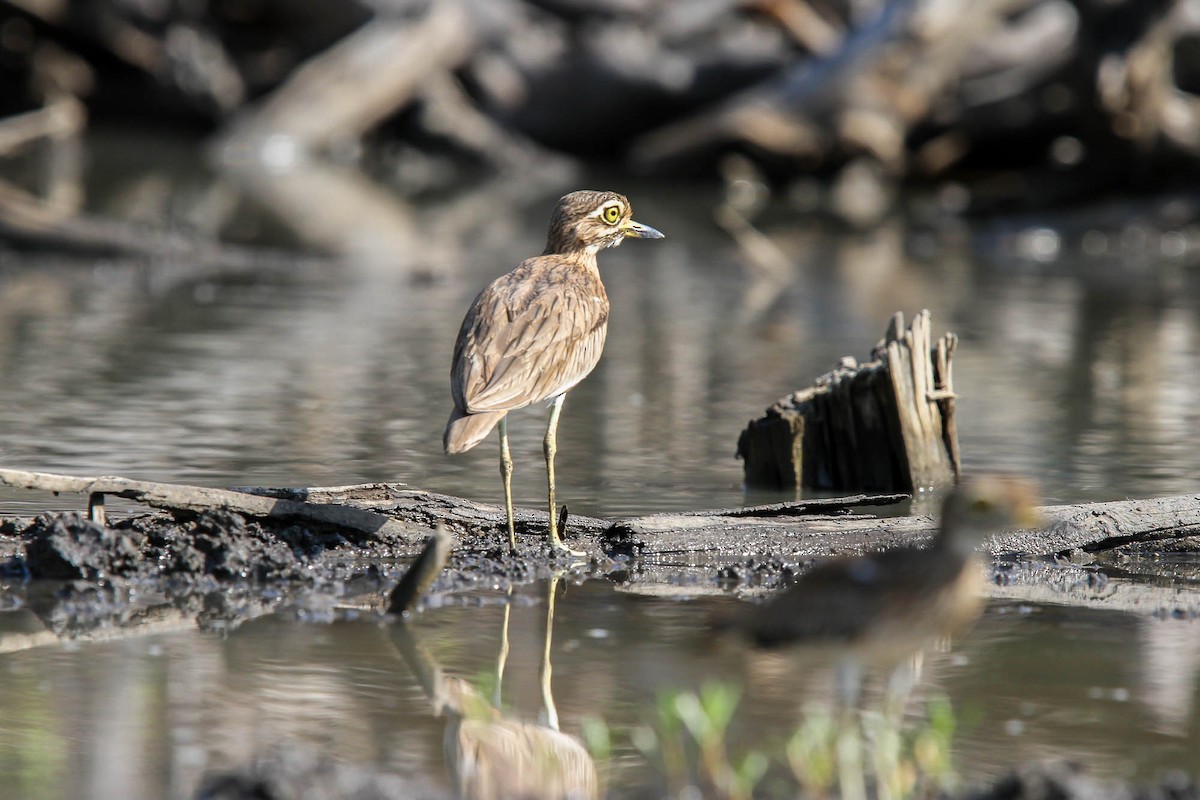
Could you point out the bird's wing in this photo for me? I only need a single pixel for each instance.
(529, 336)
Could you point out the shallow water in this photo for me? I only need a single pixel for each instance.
(1076, 369)
(1080, 336)
(149, 715)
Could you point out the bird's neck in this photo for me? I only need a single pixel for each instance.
(584, 258)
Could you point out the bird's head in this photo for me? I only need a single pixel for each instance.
(588, 221)
(983, 504)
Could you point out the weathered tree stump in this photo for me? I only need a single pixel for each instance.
(887, 425)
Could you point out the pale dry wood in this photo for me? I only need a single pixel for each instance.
(177, 497)
(883, 425)
(804, 529)
(64, 116)
(909, 365)
(349, 88)
(1139, 87)
(865, 94)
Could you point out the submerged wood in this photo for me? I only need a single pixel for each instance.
(887, 425)
(159, 620)
(420, 576)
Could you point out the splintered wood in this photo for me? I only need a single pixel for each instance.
(887, 425)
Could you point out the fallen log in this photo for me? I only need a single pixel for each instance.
(744, 551)
(176, 497)
(352, 86)
(794, 531)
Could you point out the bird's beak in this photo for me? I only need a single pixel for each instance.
(636, 230)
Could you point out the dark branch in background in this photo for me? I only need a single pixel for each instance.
(1056, 97)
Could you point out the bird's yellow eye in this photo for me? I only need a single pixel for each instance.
(611, 214)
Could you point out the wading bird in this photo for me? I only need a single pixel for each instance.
(536, 332)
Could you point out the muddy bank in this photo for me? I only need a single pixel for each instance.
(214, 570)
(218, 568)
(218, 557)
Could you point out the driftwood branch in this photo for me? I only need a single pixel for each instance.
(873, 86)
(801, 530)
(64, 116)
(364, 78)
(195, 499)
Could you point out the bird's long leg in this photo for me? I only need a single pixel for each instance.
(550, 447)
(506, 471)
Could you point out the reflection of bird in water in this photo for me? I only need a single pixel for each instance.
(535, 332)
(494, 757)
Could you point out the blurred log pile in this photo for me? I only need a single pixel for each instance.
(995, 101)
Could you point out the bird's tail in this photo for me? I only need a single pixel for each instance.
(464, 430)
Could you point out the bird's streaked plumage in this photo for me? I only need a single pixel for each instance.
(534, 333)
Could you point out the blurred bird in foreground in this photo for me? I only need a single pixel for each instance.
(536, 332)
(904, 593)
(885, 606)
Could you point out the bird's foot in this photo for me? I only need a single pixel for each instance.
(560, 546)
(557, 536)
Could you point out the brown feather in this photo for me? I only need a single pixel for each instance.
(534, 333)
(531, 335)
(464, 431)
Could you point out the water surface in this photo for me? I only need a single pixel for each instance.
(1080, 336)
(147, 716)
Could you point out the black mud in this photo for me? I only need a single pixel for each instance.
(284, 774)
(216, 568)
(219, 569)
